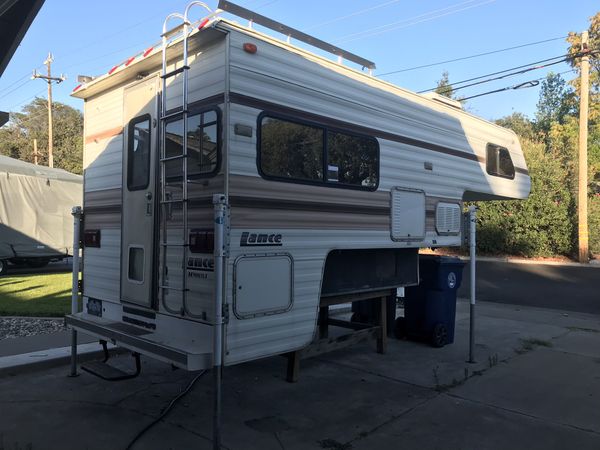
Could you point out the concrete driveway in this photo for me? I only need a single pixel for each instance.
(536, 385)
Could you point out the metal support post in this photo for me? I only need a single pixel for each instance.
(220, 207)
(472, 254)
(77, 212)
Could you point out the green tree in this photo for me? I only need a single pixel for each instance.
(16, 138)
(538, 226)
(520, 124)
(555, 103)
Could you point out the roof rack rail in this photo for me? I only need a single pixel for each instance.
(293, 33)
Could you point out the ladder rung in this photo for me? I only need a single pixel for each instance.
(170, 202)
(174, 30)
(173, 158)
(173, 245)
(174, 114)
(172, 73)
(174, 288)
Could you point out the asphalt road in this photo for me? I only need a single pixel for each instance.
(570, 288)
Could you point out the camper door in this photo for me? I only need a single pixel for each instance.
(139, 184)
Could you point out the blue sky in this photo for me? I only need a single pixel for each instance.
(91, 37)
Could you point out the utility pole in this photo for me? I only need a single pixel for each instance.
(583, 142)
(35, 152)
(49, 79)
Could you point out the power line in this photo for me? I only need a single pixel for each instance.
(462, 58)
(527, 68)
(354, 14)
(526, 84)
(412, 21)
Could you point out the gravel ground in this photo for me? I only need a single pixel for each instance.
(12, 327)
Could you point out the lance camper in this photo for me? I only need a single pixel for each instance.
(236, 182)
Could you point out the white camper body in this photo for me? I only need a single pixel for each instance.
(330, 181)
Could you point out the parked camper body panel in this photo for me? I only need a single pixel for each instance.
(424, 147)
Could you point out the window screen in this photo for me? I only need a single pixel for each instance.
(291, 150)
(352, 159)
(202, 142)
(498, 162)
(138, 154)
(311, 153)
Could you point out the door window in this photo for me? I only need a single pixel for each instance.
(138, 153)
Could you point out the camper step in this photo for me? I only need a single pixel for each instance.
(107, 372)
(175, 72)
(193, 352)
(174, 114)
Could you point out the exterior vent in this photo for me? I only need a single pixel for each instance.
(443, 99)
(447, 218)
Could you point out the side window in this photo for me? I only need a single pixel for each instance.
(498, 162)
(291, 150)
(138, 153)
(202, 143)
(352, 160)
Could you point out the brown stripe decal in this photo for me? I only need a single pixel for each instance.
(317, 207)
(265, 105)
(103, 135)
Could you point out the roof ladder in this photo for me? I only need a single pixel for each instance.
(167, 200)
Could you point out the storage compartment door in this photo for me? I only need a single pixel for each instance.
(408, 214)
(263, 285)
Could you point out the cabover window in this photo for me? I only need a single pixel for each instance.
(498, 162)
(293, 151)
(138, 153)
(202, 145)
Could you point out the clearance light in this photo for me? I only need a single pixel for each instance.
(202, 24)
(250, 48)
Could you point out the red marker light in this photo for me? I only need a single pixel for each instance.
(250, 48)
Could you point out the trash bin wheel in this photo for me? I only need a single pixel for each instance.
(400, 328)
(439, 335)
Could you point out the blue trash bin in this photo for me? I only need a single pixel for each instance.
(430, 307)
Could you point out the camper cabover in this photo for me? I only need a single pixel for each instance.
(234, 179)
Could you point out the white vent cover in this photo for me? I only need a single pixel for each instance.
(447, 218)
(408, 214)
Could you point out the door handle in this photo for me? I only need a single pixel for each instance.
(148, 203)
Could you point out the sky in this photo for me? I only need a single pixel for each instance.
(91, 37)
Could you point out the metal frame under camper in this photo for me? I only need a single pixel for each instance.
(234, 182)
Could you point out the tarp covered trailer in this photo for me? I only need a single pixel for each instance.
(231, 189)
(36, 225)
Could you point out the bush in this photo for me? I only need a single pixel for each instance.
(542, 225)
(594, 224)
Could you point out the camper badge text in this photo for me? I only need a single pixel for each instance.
(260, 239)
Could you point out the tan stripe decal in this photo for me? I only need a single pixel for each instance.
(103, 135)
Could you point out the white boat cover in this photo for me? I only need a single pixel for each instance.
(35, 209)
